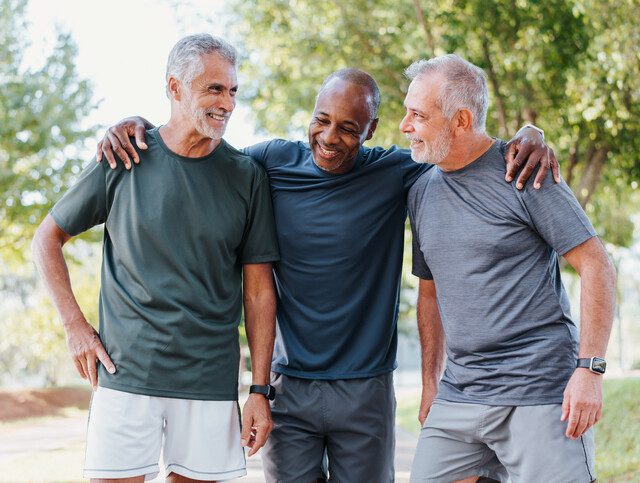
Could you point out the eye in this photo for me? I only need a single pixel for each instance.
(417, 115)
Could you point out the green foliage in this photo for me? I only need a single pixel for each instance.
(617, 433)
(40, 113)
(572, 67)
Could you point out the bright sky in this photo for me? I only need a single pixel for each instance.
(122, 49)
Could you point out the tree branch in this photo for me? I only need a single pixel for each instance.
(427, 32)
(493, 78)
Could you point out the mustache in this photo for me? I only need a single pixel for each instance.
(412, 137)
(217, 112)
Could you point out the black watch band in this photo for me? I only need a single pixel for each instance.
(594, 364)
(267, 391)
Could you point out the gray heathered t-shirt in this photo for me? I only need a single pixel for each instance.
(177, 232)
(493, 253)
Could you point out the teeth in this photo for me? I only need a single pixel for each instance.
(217, 118)
(327, 152)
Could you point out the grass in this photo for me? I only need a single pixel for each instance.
(617, 433)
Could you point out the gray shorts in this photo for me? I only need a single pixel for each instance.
(351, 420)
(519, 444)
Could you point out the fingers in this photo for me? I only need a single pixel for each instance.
(125, 142)
(99, 152)
(139, 134)
(532, 162)
(245, 436)
(92, 369)
(79, 368)
(510, 156)
(574, 418)
(542, 172)
(104, 358)
(583, 424)
(120, 151)
(555, 166)
(565, 408)
(261, 434)
(108, 153)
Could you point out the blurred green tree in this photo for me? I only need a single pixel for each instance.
(569, 66)
(40, 114)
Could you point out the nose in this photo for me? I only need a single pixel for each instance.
(330, 135)
(227, 102)
(405, 125)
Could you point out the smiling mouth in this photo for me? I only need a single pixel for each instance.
(327, 153)
(216, 117)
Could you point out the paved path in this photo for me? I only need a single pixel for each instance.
(58, 433)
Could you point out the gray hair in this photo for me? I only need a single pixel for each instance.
(465, 86)
(185, 59)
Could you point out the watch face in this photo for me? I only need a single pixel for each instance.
(598, 365)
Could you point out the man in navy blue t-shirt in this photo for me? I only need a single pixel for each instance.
(340, 211)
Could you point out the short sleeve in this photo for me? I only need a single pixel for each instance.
(258, 152)
(557, 216)
(419, 265)
(259, 242)
(84, 205)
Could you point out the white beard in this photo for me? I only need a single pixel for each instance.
(432, 152)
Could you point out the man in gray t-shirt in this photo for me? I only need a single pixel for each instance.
(490, 293)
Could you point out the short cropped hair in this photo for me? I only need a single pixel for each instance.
(185, 59)
(359, 77)
(465, 86)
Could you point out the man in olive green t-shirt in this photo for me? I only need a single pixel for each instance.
(187, 236)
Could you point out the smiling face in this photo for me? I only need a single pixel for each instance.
(342, 121)
(210, 99)
(428, 131)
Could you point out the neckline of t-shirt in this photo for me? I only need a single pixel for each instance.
(465, 169)
(155, 132)
(328, 174)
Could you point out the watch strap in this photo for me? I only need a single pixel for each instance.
(267, 391)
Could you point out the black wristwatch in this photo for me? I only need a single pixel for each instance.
(267, 391)
(594, 364)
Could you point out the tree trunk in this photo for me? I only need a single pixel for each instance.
(422, 20)
(493, 78)
(592, 174)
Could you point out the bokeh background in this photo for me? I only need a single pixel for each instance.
(70, 68)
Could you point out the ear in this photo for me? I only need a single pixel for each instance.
(174, 87)
(372, 129)
(462, 121)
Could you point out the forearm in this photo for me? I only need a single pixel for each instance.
(49, 260)
(432, 341)
(260, 324)
(597, 304)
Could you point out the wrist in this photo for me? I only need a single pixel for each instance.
(73, 319)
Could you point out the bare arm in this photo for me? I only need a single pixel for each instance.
(527, 150)
(116, 140)
(82, 339)
(432, 345)
(582, 404)
(260, 322)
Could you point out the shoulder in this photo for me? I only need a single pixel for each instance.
(243, 163)
(270, 153)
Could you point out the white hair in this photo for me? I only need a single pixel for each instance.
(185, 59)
(465, 86)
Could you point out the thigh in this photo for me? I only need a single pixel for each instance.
(361, 429)
(124, 435)
(449, 447)
(295, 448)
(532, 446)
(202, 439)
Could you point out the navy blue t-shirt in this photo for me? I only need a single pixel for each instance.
(341, 239)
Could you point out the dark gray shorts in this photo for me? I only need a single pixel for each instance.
(518, 444)
(351, 420)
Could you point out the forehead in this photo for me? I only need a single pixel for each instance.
(217, 69)
(343, 98)
(423, 92)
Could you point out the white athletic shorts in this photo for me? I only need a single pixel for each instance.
(198, 439)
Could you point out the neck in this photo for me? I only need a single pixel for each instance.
(182, 138)
(465, 150)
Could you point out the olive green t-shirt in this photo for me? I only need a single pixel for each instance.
(177, 232)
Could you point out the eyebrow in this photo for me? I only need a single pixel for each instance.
(217, 85)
